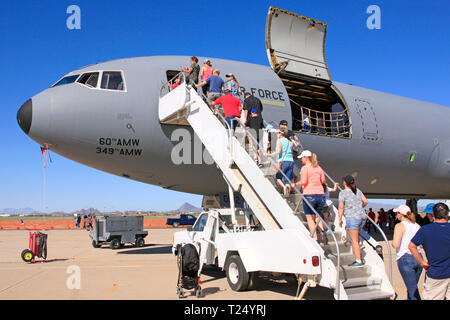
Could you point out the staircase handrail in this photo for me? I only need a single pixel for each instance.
(169, 83)
(376, 226)
(337, 286)
(307, 202)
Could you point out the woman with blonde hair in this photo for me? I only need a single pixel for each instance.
(312, 178)
(409, 268)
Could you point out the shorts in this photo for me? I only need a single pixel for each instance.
(355, 224)
(436, 289)
(288, 168)
(317, 201)
(213, 96)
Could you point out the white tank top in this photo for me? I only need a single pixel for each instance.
(410, 232)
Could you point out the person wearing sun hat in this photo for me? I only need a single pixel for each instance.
(409, 268)
(312, 178)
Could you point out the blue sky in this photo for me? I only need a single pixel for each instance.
(408, 56)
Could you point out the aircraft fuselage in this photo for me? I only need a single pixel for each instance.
(398, 147)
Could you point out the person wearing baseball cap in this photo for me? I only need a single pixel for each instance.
(232, 84)
(435, 241)
(312, 178)
(409, 268)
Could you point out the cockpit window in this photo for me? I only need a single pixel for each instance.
(112, 80)
(89, 79)
(66, 80)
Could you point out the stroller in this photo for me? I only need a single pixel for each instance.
(188, 266)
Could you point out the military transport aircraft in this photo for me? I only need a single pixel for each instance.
(106, 116)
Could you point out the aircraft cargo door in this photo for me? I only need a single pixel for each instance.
(296, 44)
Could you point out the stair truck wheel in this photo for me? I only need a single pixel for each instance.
(140, 242)
(175, 224)
(27, 255)
(114, 244)
(95, 244)
(238, 278)
(180, 293)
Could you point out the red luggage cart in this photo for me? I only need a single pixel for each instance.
(37, 248)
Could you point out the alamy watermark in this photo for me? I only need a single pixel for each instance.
(73, 22)
(374, 20)
(188, 148)
(73, 282)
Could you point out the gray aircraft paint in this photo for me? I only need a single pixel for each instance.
(72, 118)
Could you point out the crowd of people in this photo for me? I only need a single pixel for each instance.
(88, 221)
(414, 235)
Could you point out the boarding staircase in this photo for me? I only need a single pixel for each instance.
(257, 185)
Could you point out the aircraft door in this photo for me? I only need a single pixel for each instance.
(296, 44)
(369, 124)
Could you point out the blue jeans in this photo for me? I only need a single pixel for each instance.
(287, 167)
(364, 235)
(232, 123)
(316, 200)
(410, 270)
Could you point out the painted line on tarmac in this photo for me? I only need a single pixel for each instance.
(65, 267)
(21, 281)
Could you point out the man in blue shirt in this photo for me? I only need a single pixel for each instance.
(215, 86)
(435, 240)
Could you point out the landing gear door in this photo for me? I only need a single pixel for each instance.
(296, 44)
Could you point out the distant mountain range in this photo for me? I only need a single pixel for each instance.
(188, 208)
(184, 208)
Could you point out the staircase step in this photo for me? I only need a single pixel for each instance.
(361, 282)
(354, 272)
(343, 247)
(295, 197)
(267, 170)
(367, 293)
(345, 259)
(338, 235)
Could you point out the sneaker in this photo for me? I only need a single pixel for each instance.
(356, 264)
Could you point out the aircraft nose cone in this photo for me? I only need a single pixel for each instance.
(24, 116)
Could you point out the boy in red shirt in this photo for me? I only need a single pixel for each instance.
(231, 107)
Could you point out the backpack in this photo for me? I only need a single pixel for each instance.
(191, 260)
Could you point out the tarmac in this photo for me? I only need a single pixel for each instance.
(77, 271)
